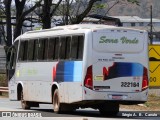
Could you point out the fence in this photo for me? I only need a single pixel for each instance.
(3, 90)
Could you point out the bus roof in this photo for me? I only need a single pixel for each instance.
(69, 29)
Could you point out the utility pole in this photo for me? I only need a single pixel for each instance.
(151, 27)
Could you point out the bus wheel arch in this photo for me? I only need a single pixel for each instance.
(54, 87)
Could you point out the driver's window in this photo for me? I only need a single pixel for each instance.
(13, 55)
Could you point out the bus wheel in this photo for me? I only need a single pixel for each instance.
(24, 104)
(61, 107)
(109, 109)
(56, 102)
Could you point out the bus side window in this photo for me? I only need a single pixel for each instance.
(77, 47)
(53, 50)
(25, 50)
(36, 46)
(74, 46)
(57, 48)
(13, 57)
(65, 47)
(80, 47)
(16, 53)
(21, 51)
(30, 50)
(42, 49)
(45, 52)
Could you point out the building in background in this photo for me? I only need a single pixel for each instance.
(143, 24)
(129, 21)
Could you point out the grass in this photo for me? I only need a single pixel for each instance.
(4, 95)
(3, 79)
(153, 104)
(3, 83)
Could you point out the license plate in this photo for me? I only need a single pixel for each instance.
(117, 97)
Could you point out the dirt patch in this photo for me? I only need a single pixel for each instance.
(3, 80)
(4, 95)
(153, 104)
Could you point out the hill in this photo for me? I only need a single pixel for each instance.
(133, 10)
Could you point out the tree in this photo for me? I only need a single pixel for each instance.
(21, 14)
(105, 6)
(76, 11)
(49, 10)
(79, 17)
(8, 22)
(2, 23)
(47, 13)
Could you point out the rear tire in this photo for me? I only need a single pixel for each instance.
(109, 109)
(24, 104)
(60, 107)
(56, 102)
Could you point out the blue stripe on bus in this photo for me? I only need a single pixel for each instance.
(77, 76)
(69, 71)
(123, 70)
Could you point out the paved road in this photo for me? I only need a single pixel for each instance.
(46, 110)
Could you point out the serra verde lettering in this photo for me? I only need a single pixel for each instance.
(123, 40)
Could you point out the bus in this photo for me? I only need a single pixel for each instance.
(80, 66)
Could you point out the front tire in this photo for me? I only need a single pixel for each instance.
(24, 104)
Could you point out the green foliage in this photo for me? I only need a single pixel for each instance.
(98, 6)
(2, 80)
(134, 2)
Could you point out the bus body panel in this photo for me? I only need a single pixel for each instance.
(37, 81)
(118, 61)
(12, 89)
(116, 96)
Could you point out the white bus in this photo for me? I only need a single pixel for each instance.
(80, 66)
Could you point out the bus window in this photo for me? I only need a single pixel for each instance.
(25, 50)
(36, 46)
(15, 52)
(30, 49)
(77, 47)
(21, 51)
(45, 52)
(57, 46)
(51, 48)
(14, 55)
(74, 47)
(41, 49)
(11, 64)
(65, 47)
(80, 47)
